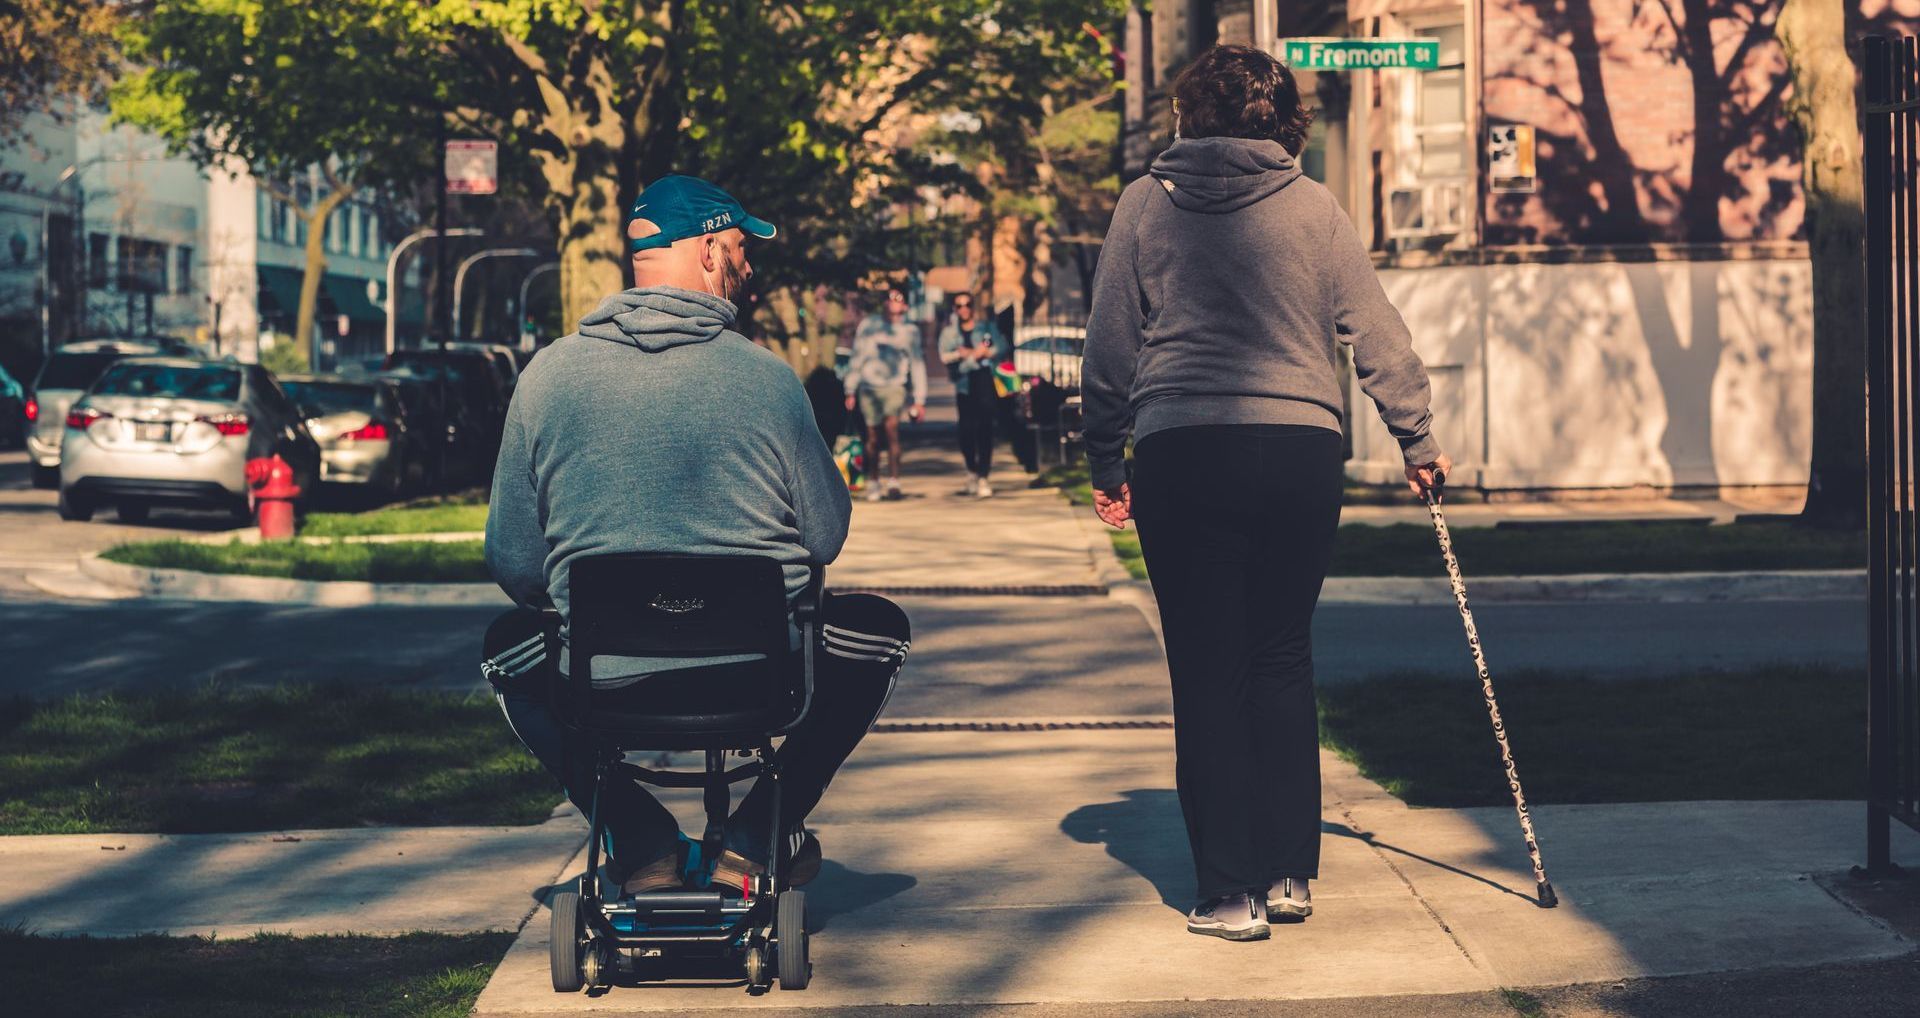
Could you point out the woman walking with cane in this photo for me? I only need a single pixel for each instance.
(1225, 281)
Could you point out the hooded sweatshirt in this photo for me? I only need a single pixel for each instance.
(1225, 281)
(655, 428)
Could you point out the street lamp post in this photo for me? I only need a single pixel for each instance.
(393, 263)
(526, 342)
(460, 275)
(46, 262)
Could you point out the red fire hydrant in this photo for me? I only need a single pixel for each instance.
(273, 493)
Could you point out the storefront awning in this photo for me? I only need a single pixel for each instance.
(350, 298)
(282, 286)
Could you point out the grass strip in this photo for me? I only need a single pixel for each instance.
(1770, 733)
(442, 518)
(419, 975)
(216, 759)
(1409, 549)
(387, 562)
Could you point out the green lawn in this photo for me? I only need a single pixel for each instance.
(432, 518)
(387, 562)
(302, 756)
(1778, 733)
(420, 975)
(1410, 549)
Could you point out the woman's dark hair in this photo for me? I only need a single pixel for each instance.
(1240, 92)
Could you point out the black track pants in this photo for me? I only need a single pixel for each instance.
(1237, 524)
(864, 641)
(978, 406)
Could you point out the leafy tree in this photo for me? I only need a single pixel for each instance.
(52, 50)
(1814, 35)
(320, 99)
(798, 109)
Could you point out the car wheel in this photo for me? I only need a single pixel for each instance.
(74, 509)
(133, 512)
(46, 478)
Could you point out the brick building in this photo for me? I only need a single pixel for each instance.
(1632, 311)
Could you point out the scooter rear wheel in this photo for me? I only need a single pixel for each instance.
(568, 936)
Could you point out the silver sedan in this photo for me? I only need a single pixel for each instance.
(163, 430)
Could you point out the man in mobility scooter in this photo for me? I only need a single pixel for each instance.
(657, 444)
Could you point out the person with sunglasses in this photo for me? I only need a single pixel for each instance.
(970, 346)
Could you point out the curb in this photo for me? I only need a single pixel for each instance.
(186, 584)
(1809, 585)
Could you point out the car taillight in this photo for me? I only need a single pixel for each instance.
(82, 419)
(227, 424)
(375, 431)
(33, 410)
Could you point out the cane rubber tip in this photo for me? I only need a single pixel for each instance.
(1547, 898)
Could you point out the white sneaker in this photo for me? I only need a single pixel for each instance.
(1289, 899)
(874, 494)
(973, 485)
(1234, 917)
(983, 489)
(893, 490)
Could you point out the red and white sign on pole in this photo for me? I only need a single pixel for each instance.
(473, 167)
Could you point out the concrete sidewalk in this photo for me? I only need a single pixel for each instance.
(1048, 866)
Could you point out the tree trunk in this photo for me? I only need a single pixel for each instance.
(316, 269)
(1813, 34)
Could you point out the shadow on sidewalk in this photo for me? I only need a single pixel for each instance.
(1146, 832)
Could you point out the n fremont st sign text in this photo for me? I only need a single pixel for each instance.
(1333, 54)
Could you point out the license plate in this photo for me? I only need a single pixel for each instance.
(152, 431)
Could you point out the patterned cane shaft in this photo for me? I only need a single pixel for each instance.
(1486, 688)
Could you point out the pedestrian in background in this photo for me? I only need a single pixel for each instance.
(887, 375)
(1226, 280)
(970, 346)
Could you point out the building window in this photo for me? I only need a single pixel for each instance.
(183, 269)
(96, 259)
(1440, 114)
(1433, 162)
(142, 265)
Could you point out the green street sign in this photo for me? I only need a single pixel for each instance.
(1335, 54)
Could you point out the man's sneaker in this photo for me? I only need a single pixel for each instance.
(732, 869)
(874, 494)
(1234, 917)
(1289, 899)
(973, 485)
(983, 489)
(893, 490)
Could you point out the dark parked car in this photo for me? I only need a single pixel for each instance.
(479, 384)
(13, 411)
(462, 450)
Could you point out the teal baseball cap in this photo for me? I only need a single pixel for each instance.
(683, 207)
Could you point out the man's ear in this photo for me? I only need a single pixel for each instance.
(711, 257)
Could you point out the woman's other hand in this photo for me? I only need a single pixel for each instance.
(1114, 508)
(1429, 476)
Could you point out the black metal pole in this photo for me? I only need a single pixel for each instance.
(442, 307)
(1879, 438)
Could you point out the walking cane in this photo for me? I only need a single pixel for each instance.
(1547, 898)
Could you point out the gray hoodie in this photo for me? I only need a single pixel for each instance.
(656, 429)
(1225, 281)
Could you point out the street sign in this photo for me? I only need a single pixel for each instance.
(472, 167)
(1336, 54)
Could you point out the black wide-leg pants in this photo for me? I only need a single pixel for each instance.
(1236, 525)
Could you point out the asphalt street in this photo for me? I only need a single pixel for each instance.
(52, 646)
